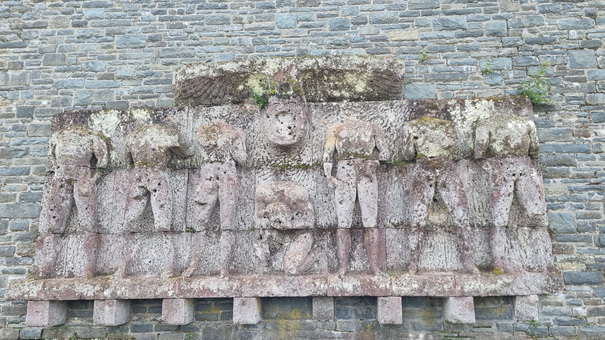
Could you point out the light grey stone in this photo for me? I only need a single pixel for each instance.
(389, 310)
(527, 307)
(246, 311)
(46, 313)
(178, 311)
(460, 309)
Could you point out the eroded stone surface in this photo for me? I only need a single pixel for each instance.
(459, 309)
(111, 312)
(527, 307)
(232, 239)
(246, 311)
(389, 310)
(178, 311)
(46, 313)
(315, 79)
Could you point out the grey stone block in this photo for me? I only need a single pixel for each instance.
(381, 18)
(25, 111)
(178, 311)
(459, 309)
(595, 98)
(19, 210)
(46, 313)
(111, 312)
(285, 21)
(419, 91)
(496, 28)
(131, 41)
(94, 66)
(449, 23)
(10, 333)
(69, 83)
(596, 74)
(562, 222)
(582, 59)
(29, 333)
(95, 13)
(54, 59)
(575, 24)
(339, 24)
(323, 308)
(389, 310)
(583, 278)
(246, 311)
(217, 20)
(527, 307)
(38, 130)
(423, 4)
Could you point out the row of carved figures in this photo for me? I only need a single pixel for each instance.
(352, 153)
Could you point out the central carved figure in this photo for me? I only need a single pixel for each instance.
(355, 143)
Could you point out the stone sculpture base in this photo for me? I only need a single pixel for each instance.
(424, 284)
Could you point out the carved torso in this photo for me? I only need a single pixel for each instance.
(150, 145)
(430, 138)
(73, 150)
(506, 136)
(221, 143)
(355, 140)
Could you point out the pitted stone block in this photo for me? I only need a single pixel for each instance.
(246, 311)
(178, 311)
(111, 312)
(46, 313)
(323, 308)
(390, 310)
(527, 307)
(460, 309)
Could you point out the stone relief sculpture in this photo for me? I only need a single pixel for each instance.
(432, 143)
(221, 147)
(356, 146)
(285, 122)
(282, 207)
(75, 154)
(149, 150)
(507, 146)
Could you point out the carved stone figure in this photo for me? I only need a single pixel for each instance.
(284, 206)
(354, 145)
(75, 154)
(149, 149)
(433, 144)
(285, 122)
(508, 144)
(221, 147)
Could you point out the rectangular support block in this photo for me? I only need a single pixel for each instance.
(178, 311)
(390, 310)
(111, 312)
(323, 308)
(460, 309)
(527, 307)
(246, 311)
(46, 313)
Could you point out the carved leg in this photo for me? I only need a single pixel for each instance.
(196, 256)
(91, 243)
(299, 258)
(85, 197)
(47, 248)
(454, 198)
(375, 247)
(422, 193)
(261, 247)
(54, 216)
(136, 202)
(161, 200)
(226, 245)
(343, 249)
(502, 199)
(530, 192)
(227, 194)
(206, 196)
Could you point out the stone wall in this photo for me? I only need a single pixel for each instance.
(57, 56)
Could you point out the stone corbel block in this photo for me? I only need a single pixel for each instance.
(460, 309)
(46, 313)
(390, 310)
(527, 307)
(246, 311)
(111, 312)
(323, 308)
(178, 311)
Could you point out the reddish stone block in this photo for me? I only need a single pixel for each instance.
(46, 313)
(246, 311)
(178, 311)
(460, 309)
(390, 310)
(111, 312)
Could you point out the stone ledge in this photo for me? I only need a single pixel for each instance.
(427, 284)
